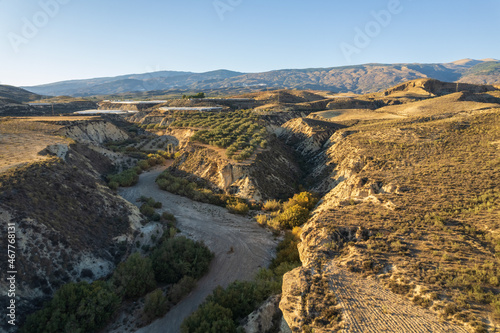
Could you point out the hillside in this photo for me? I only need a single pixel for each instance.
(356, 79)
(483, 73)
(134, 83)
(405, 235)
(69, 225)
(10, 94)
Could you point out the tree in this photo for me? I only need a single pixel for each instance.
(178, 257)
(155, 305)
(76, 307)
(209, 318)
(135, 276)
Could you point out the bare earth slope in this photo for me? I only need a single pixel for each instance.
(241, 247)
(370, 308)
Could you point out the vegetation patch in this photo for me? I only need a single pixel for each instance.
(223, 310)
(176, 263)
(182, 186)
(76, 307)
(292, 213)
(130, 177)
(240, 132)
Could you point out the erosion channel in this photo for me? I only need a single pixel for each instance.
(240, 246)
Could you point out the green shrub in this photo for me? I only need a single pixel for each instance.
(147, 210)
(242, 297)
(209, 318)
(179, 257)
(287, 250)
(181, 186)
(126, 178)
(76, 307)
(113, 185)
(134, 277)
(181, 289)
(144, 165)
(155, 305)
(168, 217)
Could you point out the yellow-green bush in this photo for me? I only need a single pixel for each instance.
(271, 205)
(293, 217)
(262, 219)
(238, 208)
(304, 199)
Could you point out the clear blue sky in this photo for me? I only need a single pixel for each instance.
(94, 38)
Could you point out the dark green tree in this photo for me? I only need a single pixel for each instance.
(134, 277)
(178, 257)
(209, 318)
(76, 307)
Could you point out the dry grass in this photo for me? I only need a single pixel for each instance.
(22, 139)
(444, 234)
(354, 114)
(445, 105)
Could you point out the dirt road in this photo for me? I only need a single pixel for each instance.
(241, 247)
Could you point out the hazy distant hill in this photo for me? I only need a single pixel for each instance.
(10, 94)
(358, 79)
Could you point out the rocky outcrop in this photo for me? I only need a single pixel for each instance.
(94, 132)
(308, 303)
(307, 135)
(264, 318)
(271, 173)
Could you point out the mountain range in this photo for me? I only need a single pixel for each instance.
(355, 79)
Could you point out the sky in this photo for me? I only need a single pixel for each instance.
(43, 41)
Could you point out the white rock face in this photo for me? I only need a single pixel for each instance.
(94, 132)
(59, 150)
(261, 320)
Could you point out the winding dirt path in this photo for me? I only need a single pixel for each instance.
(368, 307)
(241, 247)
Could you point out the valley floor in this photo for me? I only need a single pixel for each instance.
(241, 247)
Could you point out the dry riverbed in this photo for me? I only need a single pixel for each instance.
(240, 246)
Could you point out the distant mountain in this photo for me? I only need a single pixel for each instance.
(10, 94)
(357, 79)
(487, 72)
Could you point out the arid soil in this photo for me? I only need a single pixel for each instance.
(241, 247)
(368, 307)
(21, 141)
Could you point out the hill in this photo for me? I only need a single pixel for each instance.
(10, 94)
(358, 79)
(134, 82)
(483, 73)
